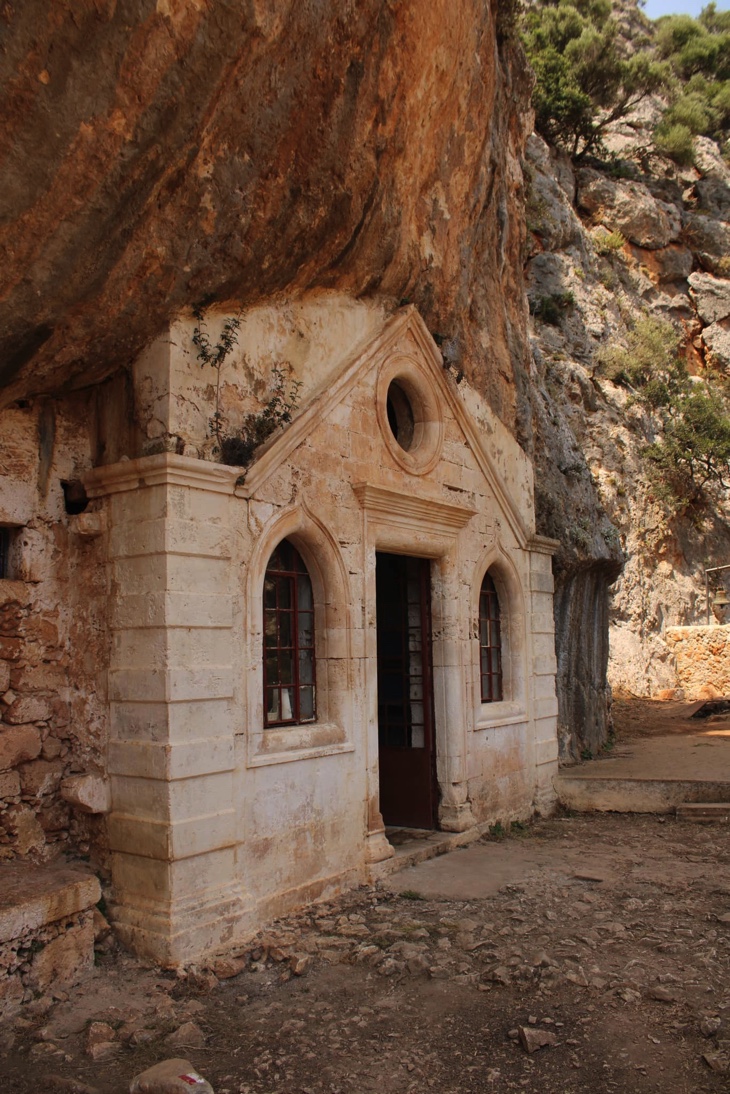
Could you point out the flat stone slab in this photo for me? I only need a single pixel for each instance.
(701, 756)
(480, 871)
(33, 896)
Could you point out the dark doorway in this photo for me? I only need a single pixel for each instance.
(408, 789)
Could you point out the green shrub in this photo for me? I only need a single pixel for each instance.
(691, 454)
(584, 79)
(606, 243)
(550, 309)
(677, 142)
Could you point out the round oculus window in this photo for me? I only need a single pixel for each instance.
(400, 415)
(409, 413)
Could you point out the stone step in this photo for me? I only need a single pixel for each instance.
(704, 812)
(584, 793)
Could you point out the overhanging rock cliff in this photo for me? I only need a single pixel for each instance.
(158, 156)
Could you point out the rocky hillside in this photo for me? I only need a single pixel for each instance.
(622, 253)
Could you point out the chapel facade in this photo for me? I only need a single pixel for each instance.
(351, 635)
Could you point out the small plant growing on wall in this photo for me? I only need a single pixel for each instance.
(237, 446)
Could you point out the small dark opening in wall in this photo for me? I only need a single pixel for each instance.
(74, 496)
(5, 544)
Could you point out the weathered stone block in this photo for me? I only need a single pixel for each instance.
(65, 959)
(9, 784)
(27, 708)
(11, 649)
(33, 896)
(40, 777)
(88, 793)
(22, 824)
(4, 676)
(17, 745)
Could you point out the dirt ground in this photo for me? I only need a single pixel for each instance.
(649, 718)
(613, 935)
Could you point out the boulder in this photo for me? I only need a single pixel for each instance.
(711, 296)
(709, 160)
(667, 264)
(709, 238)
(628, 207)
(717, 343)
(714, 196)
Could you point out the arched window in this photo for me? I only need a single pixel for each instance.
(289, 684)
(490, 642)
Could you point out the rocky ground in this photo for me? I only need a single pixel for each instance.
(610, 941)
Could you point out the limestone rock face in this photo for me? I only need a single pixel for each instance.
(711, 296)
(627, 207)
(161, 154)
(710, 239)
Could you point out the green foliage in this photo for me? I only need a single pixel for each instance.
(238, 447)
(698, 54)
(607, 243)
(412, 894)
(650, 355)
(552, 308)
(215, 356)
(585, 78)
(675, 141)
(691, 454)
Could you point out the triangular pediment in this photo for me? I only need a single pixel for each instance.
(405, 332)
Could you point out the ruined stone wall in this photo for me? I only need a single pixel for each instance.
(52, 630)
(702, 657)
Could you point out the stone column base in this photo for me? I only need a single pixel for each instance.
(377, 848)
(455, 817)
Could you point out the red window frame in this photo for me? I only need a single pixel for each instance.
(490, 642)
(288, 653)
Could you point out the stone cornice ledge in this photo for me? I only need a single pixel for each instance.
(164, 469)
(393, 507)
(543, 545)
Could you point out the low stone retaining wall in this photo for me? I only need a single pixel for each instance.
(703, 660)
(46, 930)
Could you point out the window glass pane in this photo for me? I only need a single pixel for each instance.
(306, 667)
(286, 637)
(272, 668)
(286, 667)
(270, 628)
(306, 629)
(305, 601)
(272, 704)
(285, 591)
(306, 703)
(269, 593)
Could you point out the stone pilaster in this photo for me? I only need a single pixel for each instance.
(172, 827)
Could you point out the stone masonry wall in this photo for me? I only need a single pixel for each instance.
(52, 605)
(703, 660)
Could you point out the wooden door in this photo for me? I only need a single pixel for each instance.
(408, 788)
